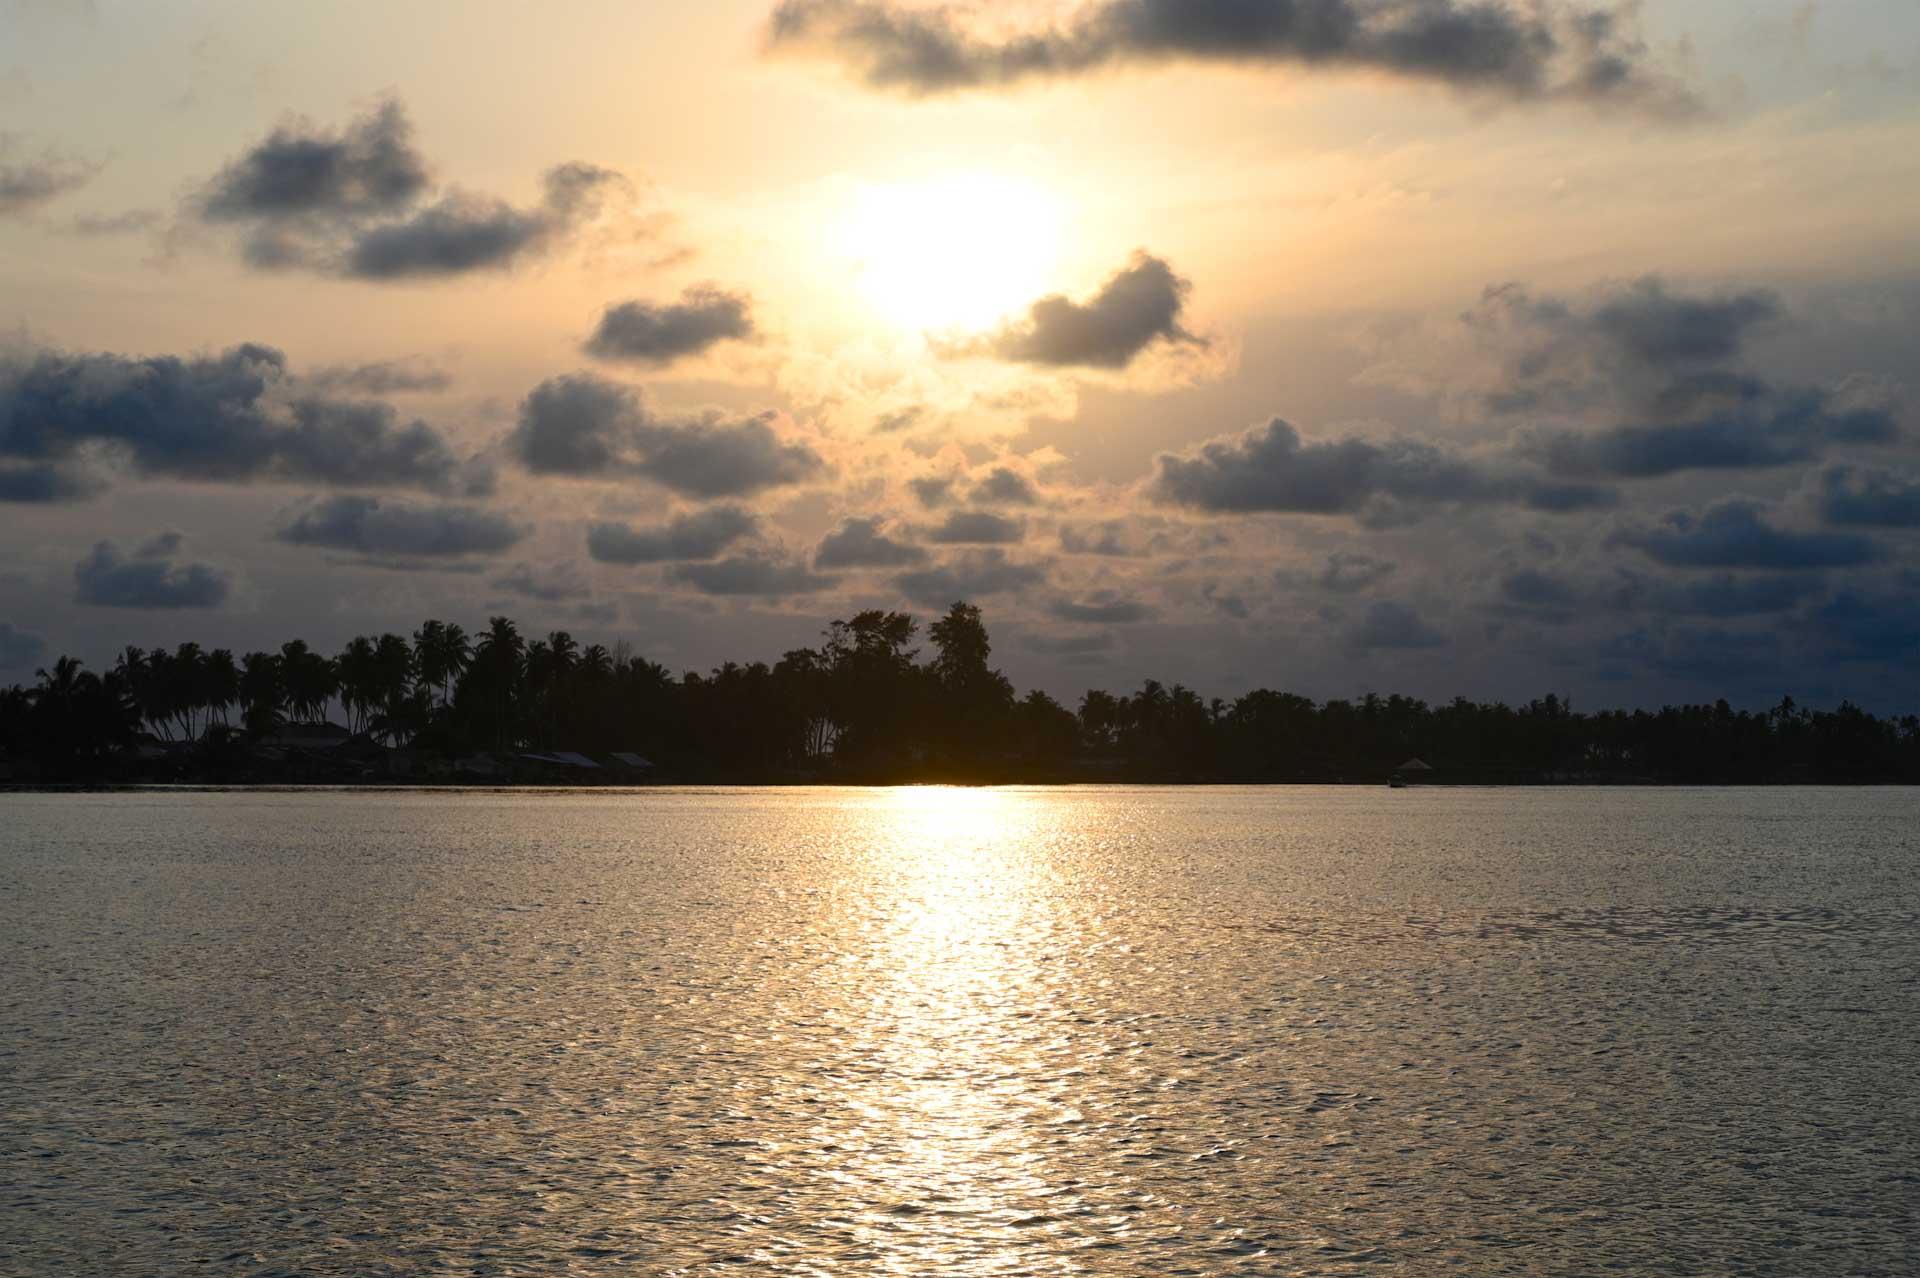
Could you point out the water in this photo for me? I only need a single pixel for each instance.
(959, 1032)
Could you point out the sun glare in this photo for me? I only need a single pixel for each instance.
(953, 253)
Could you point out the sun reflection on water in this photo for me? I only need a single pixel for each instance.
(944, 1174)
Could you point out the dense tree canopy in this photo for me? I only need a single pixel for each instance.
(865, 705)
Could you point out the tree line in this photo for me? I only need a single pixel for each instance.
(870, 703)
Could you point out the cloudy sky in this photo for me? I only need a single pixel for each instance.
(1482, 347)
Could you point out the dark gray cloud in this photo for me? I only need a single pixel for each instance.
(1391, 624)
(577, 425)
(234, 417)
(1639, 341)
(1655, 375)
(302, 170)
(1271, 469)
(1564, 499)
(932, 490)
(1869, 498)
(1137, 307)
(1736, 534)
(462, 232)
(1725, 594)
(351, 202)
(1661, 330)
(756, 574)
(385, 377)
(1108, 538)
(35, 484)
(1348, 572)
(859, 543)
(1081, 646)
(1874, 626)
(977, 528)
(702, 534)
(19, 649)
(129, 222)
(1231, 605)
(149, 578)
(26, 184)
(548, 583)
(645, 333)
(1518, 51)
(899, 419)
(987, 572)
(713, 457)
(1788, 430)
(1104, 608)
(1004, 486)
(383, 528)
(1533, 591)
(585, 425)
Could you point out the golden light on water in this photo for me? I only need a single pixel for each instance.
(951, 1134)
(957, 252)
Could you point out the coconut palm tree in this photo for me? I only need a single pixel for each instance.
(262, 692)
(221, 681)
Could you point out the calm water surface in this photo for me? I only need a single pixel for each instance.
(959, 1032)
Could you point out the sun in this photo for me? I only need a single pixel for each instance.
(958, 252)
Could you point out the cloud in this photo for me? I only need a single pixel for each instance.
(463, 232)
(1107, 538)
(576, 425)
(19, 648)
(235, 417)
(1869, 498)
(1348, 572)
(899, 419)
(129, 222)
(757, 573)
(700, 535)
(1794, 428)
(383, 528)
(1521, 52)
(1390, 624)
(37, 484)
(303, 171)
(1652, 379)
(349, 202)
(1661, 330)
(1004, 486)
(1878, 627)
(1271, 469)
(27, 184)
(1725, 594)
(932, 490)
(1104, 608)
(1735, 534)
(148, 579)
(859, 543)
(1137, 307)
(386, 377)
(1533, 589)
(978, 528)
(643, 333)
(716, 458)
(548, 583)
(987, 572)
(1082, 646)
(584, 425)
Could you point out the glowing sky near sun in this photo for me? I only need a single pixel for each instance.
(1579, 359)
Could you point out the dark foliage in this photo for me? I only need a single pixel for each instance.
(866, 706)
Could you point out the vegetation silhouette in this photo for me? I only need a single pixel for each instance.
(862, 706)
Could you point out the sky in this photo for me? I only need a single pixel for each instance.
(1449, 347)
